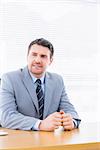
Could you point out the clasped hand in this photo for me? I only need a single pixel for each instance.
(56, 119)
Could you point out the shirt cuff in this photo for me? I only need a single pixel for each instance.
(75, 123)
(36, 126)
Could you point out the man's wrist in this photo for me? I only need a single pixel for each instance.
(40, 125)
(36, 126)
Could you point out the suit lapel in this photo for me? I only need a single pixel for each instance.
(29, 86)
(48, 94)
(31, 90)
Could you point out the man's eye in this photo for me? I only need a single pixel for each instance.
(34, 54)
(43, 56)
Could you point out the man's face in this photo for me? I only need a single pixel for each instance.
(38, 60)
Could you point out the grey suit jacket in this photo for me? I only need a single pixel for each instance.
(18, 100)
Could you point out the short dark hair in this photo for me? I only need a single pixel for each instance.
(44, 43)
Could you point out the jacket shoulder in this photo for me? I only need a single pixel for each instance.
(12, 76)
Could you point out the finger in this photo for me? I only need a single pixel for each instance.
(68, 123)
(56, 119)
(62, 112)
(65, 115)
(65, 119)
(57, 123)
(69, 127)
(57, 115)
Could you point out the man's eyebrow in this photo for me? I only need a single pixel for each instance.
(33, 52)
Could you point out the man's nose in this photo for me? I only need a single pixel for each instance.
(37, 59)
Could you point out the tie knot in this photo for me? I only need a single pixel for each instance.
(38, 81)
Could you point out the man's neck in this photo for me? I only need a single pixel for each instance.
(38, 76)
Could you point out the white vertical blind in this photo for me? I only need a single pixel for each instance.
(72, 27)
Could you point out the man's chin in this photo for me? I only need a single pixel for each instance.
(37, 73)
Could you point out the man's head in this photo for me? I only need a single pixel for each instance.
(40, 56)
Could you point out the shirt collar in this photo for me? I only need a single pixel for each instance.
(34, 78)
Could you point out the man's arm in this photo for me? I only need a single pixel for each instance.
(9, 115)
(68, 111)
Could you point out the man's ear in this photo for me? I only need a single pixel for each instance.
(51, 60)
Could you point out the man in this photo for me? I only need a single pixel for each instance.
(33, 99)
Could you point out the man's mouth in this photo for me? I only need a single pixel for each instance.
(37, 67)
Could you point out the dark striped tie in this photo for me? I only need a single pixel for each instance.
(40, 98)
